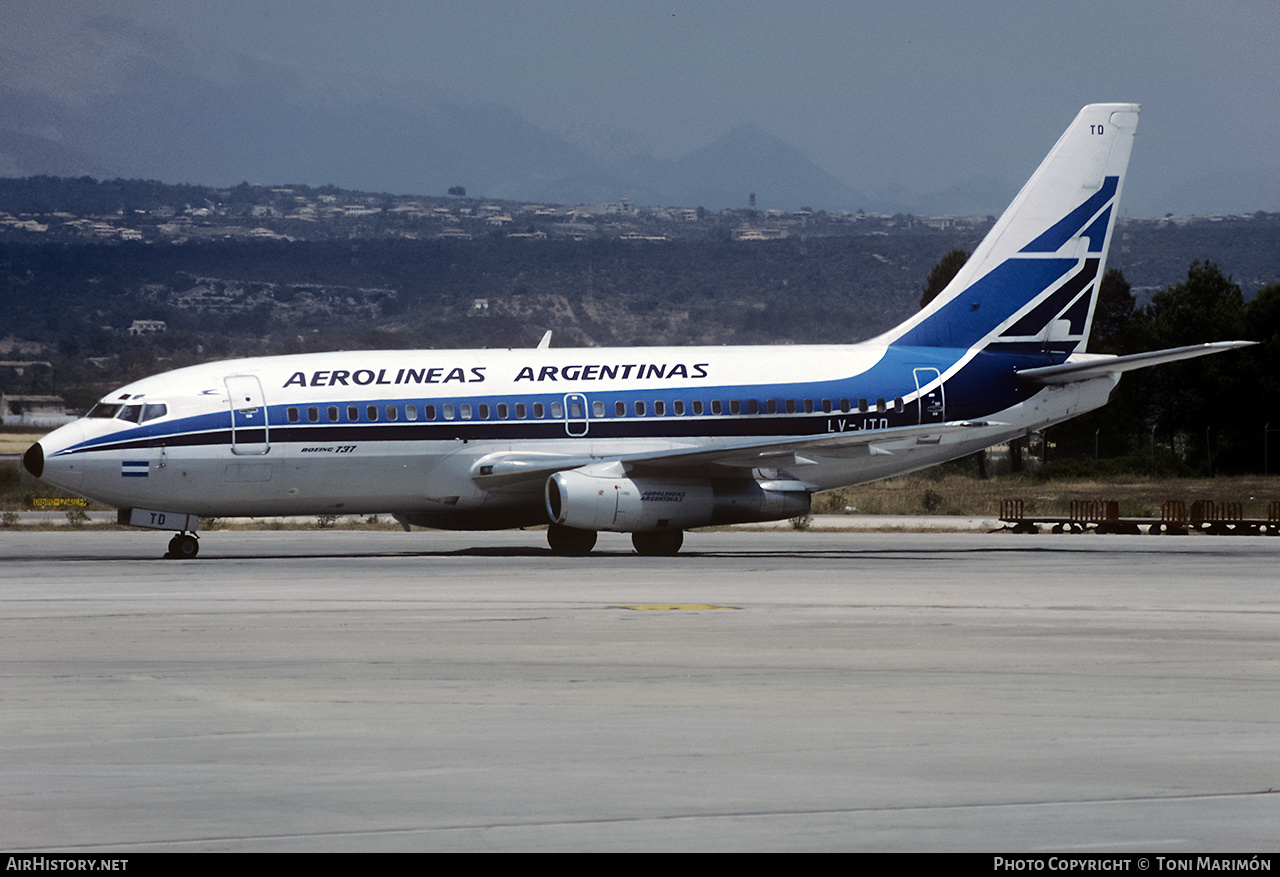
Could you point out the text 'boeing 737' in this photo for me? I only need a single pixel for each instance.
(649, 441)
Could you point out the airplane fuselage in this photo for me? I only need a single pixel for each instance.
(408, 432)
(649, 440)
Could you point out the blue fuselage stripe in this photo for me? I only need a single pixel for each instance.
(986, 384)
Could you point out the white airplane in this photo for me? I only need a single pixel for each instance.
(651, 440)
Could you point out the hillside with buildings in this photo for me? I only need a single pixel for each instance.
(105, 281)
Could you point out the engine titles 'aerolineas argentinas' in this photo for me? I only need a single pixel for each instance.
(650, 441)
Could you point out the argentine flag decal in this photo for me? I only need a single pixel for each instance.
(134, 468)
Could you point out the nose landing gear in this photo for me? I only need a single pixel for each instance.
(183, 546)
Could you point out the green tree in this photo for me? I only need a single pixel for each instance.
(1209, 306)
(1113, 315)
(1206, 402)
(1261, 366)
(941, 275)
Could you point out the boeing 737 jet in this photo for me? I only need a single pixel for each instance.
(650, 441)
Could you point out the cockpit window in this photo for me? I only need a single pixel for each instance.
(139, 412)
(152, 410)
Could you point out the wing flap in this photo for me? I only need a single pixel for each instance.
(511, 469)
(787, 453)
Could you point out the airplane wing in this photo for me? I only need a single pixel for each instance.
(512, 469)
(1083, 367)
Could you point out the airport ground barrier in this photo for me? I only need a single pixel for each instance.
(1176, 518)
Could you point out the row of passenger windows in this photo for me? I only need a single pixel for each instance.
(639, 408)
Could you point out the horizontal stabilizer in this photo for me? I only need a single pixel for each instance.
(1086, 366)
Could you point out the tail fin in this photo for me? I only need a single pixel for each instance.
(1031, 285)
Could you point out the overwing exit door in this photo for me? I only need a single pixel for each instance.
(575, 414)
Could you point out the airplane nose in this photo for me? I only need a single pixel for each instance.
(49, 461)
(33, 460)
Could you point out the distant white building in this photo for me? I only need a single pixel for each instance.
(759, 234)
(147, 327)
(43, 411)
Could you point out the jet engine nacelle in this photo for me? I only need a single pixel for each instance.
(604, 498)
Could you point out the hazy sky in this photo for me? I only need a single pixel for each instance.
(907, 94)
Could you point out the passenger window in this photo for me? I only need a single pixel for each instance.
(717, 407)
(428, 412)
(697, 406)
(897, 405)
(826, 406)
(862, 406)
(313, 414)
(557, 410)
(677, 407)
(448, 412)
(482, 411)
(372, 411)
(844, 406)
(464, 411)
(353, 414)
(808, 406)
(521, 411)
(393, 413)
(411, 412)
(502, 410)
(791, 406)
(539, 411)
(620, 408)
(293, 415)
(597, 409)
(659, 408)
(735, 407)
(639, 409)
(880, 405)
(333, 413)
(575, 409)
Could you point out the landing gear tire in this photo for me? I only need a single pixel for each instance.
(570, 541)
(183, 547)
(658, 543)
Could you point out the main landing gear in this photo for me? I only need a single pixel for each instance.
(572, 542)
(183, 546)
(658, 543)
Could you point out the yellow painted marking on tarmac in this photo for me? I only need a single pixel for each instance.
(669, 608)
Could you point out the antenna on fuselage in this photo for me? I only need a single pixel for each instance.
(545, 343)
